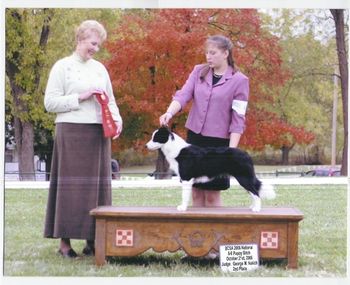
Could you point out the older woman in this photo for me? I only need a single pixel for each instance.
(81, 164)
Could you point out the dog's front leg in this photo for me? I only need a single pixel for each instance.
(256, 203)
(186, 195)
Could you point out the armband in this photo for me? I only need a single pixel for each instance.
(240, 106)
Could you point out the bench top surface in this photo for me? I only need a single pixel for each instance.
(220, 213)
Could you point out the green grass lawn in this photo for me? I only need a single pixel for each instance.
(322, 236)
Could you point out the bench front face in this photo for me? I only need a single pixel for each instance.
(129, 231)
(131, 237)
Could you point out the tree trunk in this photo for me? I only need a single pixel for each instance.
(24, 137)
(285, 155)
(338, 15)
(24, 130)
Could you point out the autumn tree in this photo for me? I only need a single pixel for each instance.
(154, 52)
(25, 56)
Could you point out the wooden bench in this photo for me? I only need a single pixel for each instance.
(129, 231)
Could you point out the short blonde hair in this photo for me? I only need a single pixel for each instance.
(90, 26)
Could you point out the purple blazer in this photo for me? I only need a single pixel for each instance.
(219, 110)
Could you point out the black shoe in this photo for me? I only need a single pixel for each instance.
(69, 254)
(89, 250)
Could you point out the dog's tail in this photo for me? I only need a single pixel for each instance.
(266, 191)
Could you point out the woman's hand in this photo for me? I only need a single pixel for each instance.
(119, 130)
(172, 110)
(87, 94)
(165, 118)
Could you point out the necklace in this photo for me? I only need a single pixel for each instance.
(217, 75)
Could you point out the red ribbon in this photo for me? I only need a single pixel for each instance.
(109, 126)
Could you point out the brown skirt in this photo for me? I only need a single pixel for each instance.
(80, 180)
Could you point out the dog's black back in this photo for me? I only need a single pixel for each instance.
(196, 162)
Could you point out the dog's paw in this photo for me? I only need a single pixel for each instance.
(255, 208)
(181, 208)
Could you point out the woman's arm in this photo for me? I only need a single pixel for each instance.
(181, 97)
(55, 100)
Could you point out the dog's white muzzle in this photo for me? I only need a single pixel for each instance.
(151, 145)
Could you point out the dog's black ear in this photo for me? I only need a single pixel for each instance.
(161, 135)
(170, 130)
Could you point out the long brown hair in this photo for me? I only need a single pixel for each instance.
(224, 44)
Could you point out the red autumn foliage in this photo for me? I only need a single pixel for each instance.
(153, 52)
(266, 128)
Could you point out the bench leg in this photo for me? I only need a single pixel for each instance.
(100, 242)
(293, 235)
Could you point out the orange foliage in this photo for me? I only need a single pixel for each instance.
(153, 53)
(267, 129)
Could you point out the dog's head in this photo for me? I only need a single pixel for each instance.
(159, 138)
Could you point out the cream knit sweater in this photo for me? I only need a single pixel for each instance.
(71, 76)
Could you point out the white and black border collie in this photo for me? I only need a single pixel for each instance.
(195, 164)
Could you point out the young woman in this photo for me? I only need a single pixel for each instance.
(219, 95)
(81, 165)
